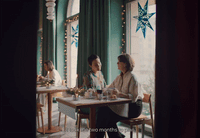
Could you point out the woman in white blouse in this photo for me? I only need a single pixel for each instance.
(126, 86)
(52, 75)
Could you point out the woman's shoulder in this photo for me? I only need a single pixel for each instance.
(87, 73)
(101, 73)
(133, 77)
(55, 71)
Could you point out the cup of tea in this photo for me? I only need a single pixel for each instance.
(99, 91)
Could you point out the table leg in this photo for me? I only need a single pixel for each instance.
(49, 110)
(50, 128)
(92, 122)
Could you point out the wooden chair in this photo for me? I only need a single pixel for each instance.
(39, 109)
(80, 116)
(142, 119)
(83, 116)
(65, 124)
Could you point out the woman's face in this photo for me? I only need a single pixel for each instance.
(45, 67)
(121, 65)
(96, 65)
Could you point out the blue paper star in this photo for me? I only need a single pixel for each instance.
(74, 35)
(143, 18)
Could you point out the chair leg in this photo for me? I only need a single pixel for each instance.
(46, 99)
(143, 130)
(152, 131)
(38, 119)
(131, 132)
(88, 126)
(42, 120)
(78, 126)
(65, 122)
(137, 131)
(59, 118)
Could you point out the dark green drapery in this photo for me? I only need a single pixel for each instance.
(48, 43)
(93, 34)
(100, 32)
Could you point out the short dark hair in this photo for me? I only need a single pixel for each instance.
(126, 58)
(49, 64)
(91, 58)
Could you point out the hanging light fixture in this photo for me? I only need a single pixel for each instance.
(50, 9)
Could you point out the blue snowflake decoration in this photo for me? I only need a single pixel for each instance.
(74, 35)
(143, 18)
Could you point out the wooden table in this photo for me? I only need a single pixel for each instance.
(50, 91)
(92, 104)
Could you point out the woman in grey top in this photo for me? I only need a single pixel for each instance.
(93, 78)
(126, 86)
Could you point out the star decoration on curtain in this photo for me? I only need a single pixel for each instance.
(74, 35)
(143, 18)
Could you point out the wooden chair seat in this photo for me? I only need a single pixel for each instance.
(135, 121)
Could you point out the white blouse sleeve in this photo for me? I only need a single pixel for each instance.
(133, 89)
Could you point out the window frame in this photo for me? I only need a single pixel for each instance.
(148, 128)
(67, 55)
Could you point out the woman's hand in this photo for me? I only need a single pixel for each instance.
(119, 94)
(122, 95)
(41, 77)
(115, 91)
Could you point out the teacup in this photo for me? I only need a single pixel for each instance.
(87, 94)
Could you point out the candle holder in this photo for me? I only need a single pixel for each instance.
(48, 85)
(75, 97)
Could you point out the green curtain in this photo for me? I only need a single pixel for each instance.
(100, 32)
(48, 43)
(93, 34)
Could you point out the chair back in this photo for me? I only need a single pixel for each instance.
(147, 98)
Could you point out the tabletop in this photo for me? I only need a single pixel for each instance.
(92, 104)
(84, 102)
(51, 89)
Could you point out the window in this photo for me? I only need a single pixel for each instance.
(73, 8)
(141, 47)
(71, 43)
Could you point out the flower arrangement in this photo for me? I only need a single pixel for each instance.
(48, 82)
(51, 81)
(76, 91)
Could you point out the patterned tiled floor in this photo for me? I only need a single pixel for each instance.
(70, 133)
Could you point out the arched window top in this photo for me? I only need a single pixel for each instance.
(73, 7)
